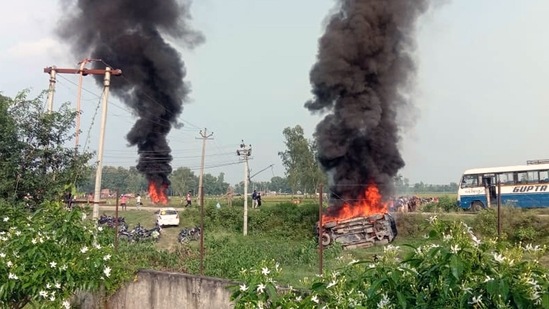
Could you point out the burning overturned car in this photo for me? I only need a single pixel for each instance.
(363, 223)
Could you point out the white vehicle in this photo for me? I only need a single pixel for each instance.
(167, 216)
(524, 186)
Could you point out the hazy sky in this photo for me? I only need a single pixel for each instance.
(480, 97)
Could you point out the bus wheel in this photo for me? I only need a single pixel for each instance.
(477, 206)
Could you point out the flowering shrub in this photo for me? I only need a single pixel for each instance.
(455, 269)
(46, 256)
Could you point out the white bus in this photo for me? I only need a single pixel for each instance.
(523, 186)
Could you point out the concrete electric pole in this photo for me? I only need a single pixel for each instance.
(245, 152)
(79, 99)
(51, 89)
(106, 84)
(204, 136)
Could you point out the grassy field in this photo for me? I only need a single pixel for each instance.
(227, 250)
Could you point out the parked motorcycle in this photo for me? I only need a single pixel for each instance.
(188, 234)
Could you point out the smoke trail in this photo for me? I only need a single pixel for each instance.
(364, 65)
(127, 34)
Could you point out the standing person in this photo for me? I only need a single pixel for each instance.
(123, 201)
(254, 199)
(188, 199)
(138, 203)
(258, 199)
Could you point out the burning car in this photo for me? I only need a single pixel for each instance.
(364, 223)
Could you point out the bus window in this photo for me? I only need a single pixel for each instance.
(533, 177)
(506, 179)
(543, 176)
(469, 181)
(522, 177)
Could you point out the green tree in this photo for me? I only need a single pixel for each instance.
(35, 163)
(280, 185)
(183, 180)
(299, 159)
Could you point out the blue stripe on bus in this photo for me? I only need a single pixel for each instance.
(517, 200)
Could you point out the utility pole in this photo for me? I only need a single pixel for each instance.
(79, 98)
(204, 136)
(106, 84)
(245, 152)
(51, 89)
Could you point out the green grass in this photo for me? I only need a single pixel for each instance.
(227, 250)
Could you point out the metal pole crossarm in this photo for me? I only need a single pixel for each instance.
(115, 72)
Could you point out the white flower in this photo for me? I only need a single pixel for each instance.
(34, 241)
(447, 237)
(99, 228)
(475, 239)
(260, 288)
(391, 248)
(277, 267)
(314, 299)
(498, 257)
(57, 285)
(298, 298)
(488, 278)
(107, 257)
(529, 247)
(97, 246)
(66, 304)
(107, 271)
(48, 286)
(64, 267)
(84, 249)
(12, 276)
(6, 219)
(43, 294)
(455, 248)
(476, 300)
(52, 298)
(384, 302)
(2, 255)
(331, 284)
(9, 263)
(18, 233)
(243, 287)
(53, 264)
(265, 271)
(432, 219)
(84, 216)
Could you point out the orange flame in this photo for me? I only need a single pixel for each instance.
(369, 204)
(158, 193)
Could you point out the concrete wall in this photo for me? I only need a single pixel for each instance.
(158, 290)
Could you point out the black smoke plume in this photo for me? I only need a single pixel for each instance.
(129, 35)
(364, 66)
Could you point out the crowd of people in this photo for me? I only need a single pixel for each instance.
(410, 203)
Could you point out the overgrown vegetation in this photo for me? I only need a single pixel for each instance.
(454, 269)
(49, 254)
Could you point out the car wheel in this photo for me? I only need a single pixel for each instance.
(326, 239)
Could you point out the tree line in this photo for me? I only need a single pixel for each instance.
(36, 163)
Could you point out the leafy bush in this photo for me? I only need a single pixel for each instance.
(517, 225)
(411, 224)
(445, 204)
(47, 255)
(455, 270)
